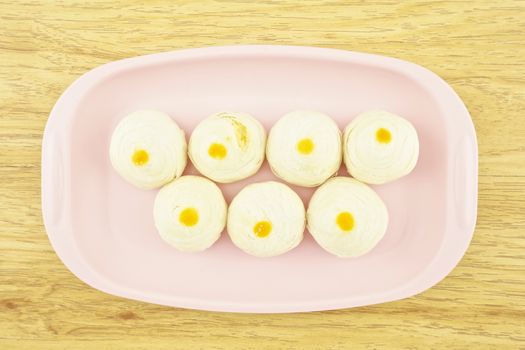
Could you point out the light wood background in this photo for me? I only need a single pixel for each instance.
(476, 46)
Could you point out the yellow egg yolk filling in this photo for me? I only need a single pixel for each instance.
(262, 229)
(383, 135)
(140, 157)
(305, 146)
(189, 217)
(345, 221)
(217, 151)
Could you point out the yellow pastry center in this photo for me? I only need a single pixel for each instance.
(262, 229)
(217, 151)
(189, 217)
(345, 221)
(305, 146)
(383, 135)
(140, 157)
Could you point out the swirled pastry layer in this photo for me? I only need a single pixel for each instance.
(228, 146)
(266, 219)
(148, 149)
(190, 213)
(304, 148)
(380, 147)
(346, 217)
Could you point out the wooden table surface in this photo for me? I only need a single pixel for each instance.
(477, 47)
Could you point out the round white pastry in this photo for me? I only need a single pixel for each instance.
(266, 219)
(148, 149)
(190, 213)
(346, 217)
(228, 146)
(380, 147)
(304, 148)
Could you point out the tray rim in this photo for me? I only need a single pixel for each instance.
(464, 173)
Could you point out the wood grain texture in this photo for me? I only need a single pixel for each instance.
(476, 46)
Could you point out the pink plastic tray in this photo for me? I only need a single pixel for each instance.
(102, 228)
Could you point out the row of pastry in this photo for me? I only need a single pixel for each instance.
(304, 148)
(346, 217)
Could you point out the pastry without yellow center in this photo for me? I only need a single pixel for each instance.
(345, 221)
(383, 135)
(140, 157)
(189, 217)
(262, 229)
(217, 151)
(305, 146)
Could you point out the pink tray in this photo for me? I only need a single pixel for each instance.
(102, 228)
